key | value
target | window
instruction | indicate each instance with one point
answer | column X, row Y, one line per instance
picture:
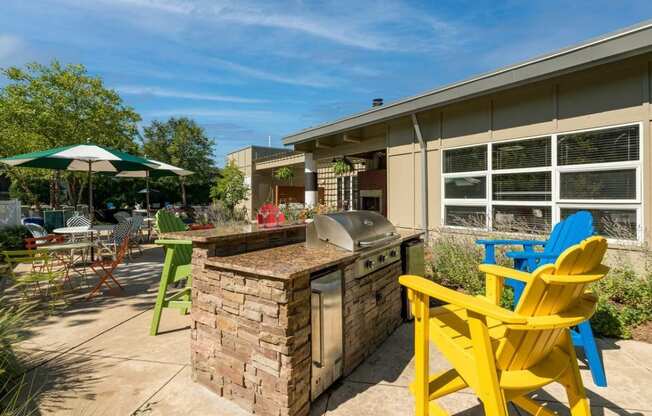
column 529, row 184
column 465, row 216
column 522, row 187
column 471, row 187
column 467, row 159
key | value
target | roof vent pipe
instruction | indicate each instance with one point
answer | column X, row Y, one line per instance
column 377, row 102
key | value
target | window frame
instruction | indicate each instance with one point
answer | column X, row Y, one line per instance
column 556, row 203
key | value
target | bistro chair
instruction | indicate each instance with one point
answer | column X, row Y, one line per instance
column 105, row 267
column 42, row 275
column 566, row 233
column 40, row 236
column 505, row 355
column 176, row 269
column 110, row 246
column 78, row 221
column 135, row 237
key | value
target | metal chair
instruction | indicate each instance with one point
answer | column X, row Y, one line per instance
column 78, row 221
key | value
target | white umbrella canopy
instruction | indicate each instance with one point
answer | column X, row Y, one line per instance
column 162, row 169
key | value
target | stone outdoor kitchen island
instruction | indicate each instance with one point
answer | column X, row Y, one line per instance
column 251, row 322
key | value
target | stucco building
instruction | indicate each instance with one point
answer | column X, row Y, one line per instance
column 532, row 142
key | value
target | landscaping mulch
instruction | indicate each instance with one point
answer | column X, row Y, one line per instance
column 643, row 332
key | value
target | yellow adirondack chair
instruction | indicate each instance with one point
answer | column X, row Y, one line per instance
column 504, row 355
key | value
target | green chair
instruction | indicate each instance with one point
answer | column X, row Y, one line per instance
column 175, row 268
column 42, row 272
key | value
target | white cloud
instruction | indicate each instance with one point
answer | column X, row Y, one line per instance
column 212, row 113
column 162, row 92
column 320, row 81
column 9, row 46
column 362, row 24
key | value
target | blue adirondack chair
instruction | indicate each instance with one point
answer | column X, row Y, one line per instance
column 572, row 230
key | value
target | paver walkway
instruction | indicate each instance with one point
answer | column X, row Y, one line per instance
column 96, row 358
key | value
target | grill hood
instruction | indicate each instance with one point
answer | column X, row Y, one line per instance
column 353, row 230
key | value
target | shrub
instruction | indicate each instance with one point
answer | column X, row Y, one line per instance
column 453, row 261
column 13, row 318
column 624, row 295
column 13, row 238
column 624, row 302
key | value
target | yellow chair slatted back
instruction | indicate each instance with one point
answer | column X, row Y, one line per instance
column 554, row 289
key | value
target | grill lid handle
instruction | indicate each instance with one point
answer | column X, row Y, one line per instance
column 369, row 243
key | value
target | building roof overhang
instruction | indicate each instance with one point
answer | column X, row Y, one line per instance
column 628, row 42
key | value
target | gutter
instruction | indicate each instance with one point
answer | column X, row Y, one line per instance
column 424, row 176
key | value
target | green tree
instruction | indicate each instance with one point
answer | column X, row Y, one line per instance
column 58, row 105
column 183, row 143
column 230, row 187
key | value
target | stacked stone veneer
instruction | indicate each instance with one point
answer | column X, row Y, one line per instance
column 251, row 334
column 372, row 311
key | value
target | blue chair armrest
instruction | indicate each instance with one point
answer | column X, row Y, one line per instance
column 512, row 242
column 490, row 245
column 531, row 255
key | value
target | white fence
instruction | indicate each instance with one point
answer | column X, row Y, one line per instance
column 9, row 213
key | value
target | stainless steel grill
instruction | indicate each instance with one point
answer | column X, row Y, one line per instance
column 354, row 230
column 364, row 232
column 378, row 244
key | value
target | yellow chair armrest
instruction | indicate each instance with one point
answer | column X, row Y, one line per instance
column 591, row 276
column 472, row 303
column 503, row 271
column 582, row 311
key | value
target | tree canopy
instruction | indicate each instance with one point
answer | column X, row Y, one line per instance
column 183, row 143
column 230, row 188
column 57, row 105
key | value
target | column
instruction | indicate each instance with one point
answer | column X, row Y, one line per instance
column 312, row 192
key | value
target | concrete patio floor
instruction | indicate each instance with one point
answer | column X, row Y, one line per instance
column 96, row 358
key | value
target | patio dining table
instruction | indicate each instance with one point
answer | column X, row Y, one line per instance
column 65, row 253
column 84, row 230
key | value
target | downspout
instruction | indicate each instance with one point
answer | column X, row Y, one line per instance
column 424, row 176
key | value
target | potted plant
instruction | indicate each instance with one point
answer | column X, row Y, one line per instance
column 284, row 174
column 341, row 166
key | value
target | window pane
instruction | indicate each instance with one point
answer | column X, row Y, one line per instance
column 521, row 219
column 522, row 187
column 610, row 184
column 610, row 145
column 464, row 216
column 615, row 223
column 466, row 188
column 468, row 159
column 521, row 154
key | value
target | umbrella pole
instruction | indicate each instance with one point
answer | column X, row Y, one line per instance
column 149, row 223
column 90, row 206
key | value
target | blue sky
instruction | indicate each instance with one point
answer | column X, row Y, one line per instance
column 246, row 70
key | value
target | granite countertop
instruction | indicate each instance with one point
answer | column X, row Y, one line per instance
column 286, row 262
column 226, row 232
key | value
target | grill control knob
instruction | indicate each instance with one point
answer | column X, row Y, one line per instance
column 369, row 264
column 381, row 258
column 393, row 253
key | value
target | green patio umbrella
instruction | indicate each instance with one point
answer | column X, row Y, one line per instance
column 83, row 158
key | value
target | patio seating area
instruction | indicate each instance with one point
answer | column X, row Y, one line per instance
column 97, row 357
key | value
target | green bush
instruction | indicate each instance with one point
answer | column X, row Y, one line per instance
column 453, row 260
column 624, row 302
column 624, row 296
column 13, row 238
column 13, row 319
